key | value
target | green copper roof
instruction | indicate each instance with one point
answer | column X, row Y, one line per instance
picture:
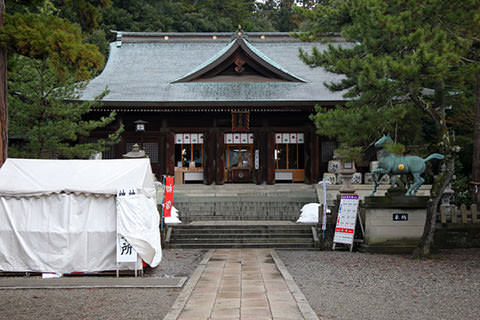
column 270, row 61
column 142, row 69
column 209, row 61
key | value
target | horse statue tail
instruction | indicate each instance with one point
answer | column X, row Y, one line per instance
column 434, row 156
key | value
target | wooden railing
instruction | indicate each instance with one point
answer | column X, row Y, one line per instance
column 460, row 215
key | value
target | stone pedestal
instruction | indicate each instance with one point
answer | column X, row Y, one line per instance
column 394, row 223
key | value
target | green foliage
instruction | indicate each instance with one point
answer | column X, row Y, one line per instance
column 86, row 13
column 401, row 58
column 347, row 153
column 42, row 124
column 53, row 40
column 396, row 148
column 47, row 58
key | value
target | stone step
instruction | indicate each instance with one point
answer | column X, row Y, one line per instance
column 235, row 233
column 246, row 234
column 213, row 238
column 275, row 245
column 236, row 237
column 232, row 226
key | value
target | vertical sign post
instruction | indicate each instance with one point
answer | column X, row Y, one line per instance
column 346, row 220
column 167, row 199
column 324, row 211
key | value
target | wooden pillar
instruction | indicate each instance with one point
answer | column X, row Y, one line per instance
column 270, row 163
column 220, row 159
column 162, row 153
column 308, row 156
column 170, row 152
column 315, row 157
column 209, row 143
column 259, row 144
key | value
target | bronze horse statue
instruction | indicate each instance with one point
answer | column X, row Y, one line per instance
column 392, row 164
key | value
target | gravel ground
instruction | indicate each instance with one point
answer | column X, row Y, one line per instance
column 153, row 303
column 344, row 285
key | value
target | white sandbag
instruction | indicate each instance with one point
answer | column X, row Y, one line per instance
column 309, row 213
column 173, row 218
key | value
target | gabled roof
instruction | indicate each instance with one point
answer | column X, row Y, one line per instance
column 160, row 70
column 236, row 50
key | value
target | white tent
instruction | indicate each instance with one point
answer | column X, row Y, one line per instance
column 61, row 215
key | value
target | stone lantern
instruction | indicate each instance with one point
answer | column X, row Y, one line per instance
column 346, row 171
column 136, row 153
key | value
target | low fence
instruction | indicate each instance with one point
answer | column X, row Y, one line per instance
column 461, row 215
column 458, row 227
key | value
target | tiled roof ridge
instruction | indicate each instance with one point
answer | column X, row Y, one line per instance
column 228, row 50
column 125, row 36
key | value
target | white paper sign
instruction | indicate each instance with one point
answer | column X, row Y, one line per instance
column 347, row 219
column 125, row 251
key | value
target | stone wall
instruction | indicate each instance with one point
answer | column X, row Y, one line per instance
column 457, row 236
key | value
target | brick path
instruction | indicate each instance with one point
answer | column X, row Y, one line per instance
column 242, row 284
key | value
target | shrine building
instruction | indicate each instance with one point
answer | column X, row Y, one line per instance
column 218, row 108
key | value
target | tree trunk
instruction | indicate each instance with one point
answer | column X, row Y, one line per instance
column 425, row 246
column 3, row 94
column 476, row 145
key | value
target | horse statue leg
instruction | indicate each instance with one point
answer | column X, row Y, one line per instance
column 417, row 183
column 380, row 172
column 393, row 180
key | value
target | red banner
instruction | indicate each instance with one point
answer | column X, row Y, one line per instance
column 344, row 230
column 168, row 198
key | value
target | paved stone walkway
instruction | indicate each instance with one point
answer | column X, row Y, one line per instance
column 241, row 284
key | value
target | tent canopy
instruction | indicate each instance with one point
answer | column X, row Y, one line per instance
column 62, row 216
column 32, row 177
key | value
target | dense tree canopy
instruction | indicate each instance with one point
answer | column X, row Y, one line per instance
column 53, row 44
column 406, row 60
column 47, row 63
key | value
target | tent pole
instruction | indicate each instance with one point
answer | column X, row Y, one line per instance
column 163, row 205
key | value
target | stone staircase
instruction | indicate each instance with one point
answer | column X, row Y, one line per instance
column 255, row 234
column 241, row 216
column 242, row 201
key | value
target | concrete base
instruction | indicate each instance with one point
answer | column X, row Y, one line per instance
column 394, row 224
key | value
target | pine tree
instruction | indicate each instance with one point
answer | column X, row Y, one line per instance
column 402, row 58
column 3, row 94
column 47, row 61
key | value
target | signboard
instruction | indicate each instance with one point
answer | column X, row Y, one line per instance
column 401, row 216
column 168, row 198
column 347, row 219
column 125, row 251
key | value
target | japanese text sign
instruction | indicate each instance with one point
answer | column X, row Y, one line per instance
column 125, row 251
column 346, row 219
column 168, row 199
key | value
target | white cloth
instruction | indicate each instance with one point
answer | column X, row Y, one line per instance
column 61, row 216
column 138, row 221
column 58, row 233
column 23, row 177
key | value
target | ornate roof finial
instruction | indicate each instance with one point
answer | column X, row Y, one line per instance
column 239, row 33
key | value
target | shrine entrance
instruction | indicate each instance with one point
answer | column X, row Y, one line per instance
column 239, row 163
